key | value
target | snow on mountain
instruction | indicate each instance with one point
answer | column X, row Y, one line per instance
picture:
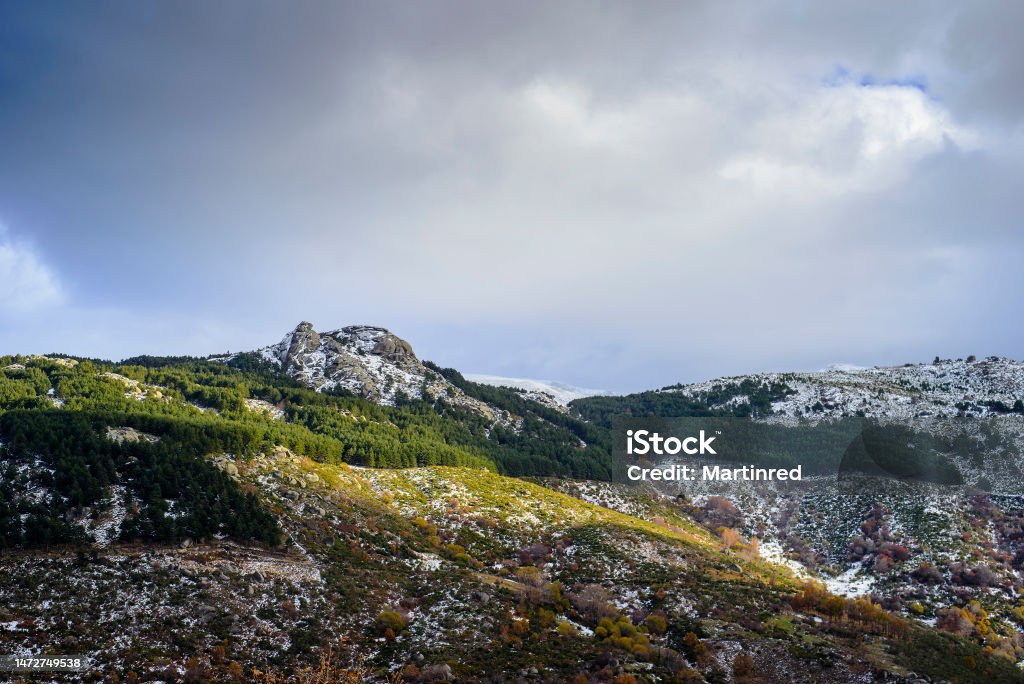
column 368, row 361
column 938, row 389
column 561, row 392
column 843, row 367
column 926, row 548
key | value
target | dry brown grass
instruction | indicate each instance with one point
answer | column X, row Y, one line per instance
column 328, row 671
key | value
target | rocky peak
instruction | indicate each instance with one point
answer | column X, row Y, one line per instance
column 303, row 340
column 367, row 360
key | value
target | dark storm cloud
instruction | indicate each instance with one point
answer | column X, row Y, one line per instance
column 622, row 194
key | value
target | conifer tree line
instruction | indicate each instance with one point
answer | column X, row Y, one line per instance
column 58, row 465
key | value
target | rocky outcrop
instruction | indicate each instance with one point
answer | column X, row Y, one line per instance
column 369, row 361
column 301, row 341
column 121, row 435
column 393, row 348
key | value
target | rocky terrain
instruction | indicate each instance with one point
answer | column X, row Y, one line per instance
column 451, row 574
column 371, row 362
column 334, row 509
column 946, row 556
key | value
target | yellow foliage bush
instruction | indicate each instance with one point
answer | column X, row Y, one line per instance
column 391, row 620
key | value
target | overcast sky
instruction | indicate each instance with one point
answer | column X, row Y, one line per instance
column 618, row 195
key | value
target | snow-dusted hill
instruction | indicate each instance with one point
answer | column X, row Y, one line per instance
column 926, row 552
column 940, row 388
column 560, row 392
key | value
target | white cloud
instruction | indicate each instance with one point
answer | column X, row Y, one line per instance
column 843, row 139
column 26, row 283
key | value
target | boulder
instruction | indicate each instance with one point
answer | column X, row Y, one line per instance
column 393, row 348
column 436, row 673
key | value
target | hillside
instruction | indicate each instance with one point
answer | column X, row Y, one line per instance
column 544, row 391
column 943, row 388
column 240, row 518
column 457, row 574
column 945, row 556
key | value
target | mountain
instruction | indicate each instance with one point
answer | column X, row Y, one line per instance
column 544, row 391
column 942, row 388
column 332, row 508
column 367, row 361
column 949, row 556
column 520, row 434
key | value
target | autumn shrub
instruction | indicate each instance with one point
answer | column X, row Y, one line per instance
column 328, row 671
column 457, row 553
column 520, row 626
column 593, row 602
column 623, row 634
column 391, row 620
column 694, row 647
column 862, row 612
column 718, row 511
column 744, row 669
column 730, row 537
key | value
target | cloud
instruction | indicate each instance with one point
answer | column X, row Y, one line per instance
column 846, row 138
column 615, row 195
column 26, row 283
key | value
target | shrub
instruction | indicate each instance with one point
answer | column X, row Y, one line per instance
column 593, row 602
column 730, row 537
column 927, row 574
column 694, row 647
column 744, row 669
column 656, row 624
column 391, row 620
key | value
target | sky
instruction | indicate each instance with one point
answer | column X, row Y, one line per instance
column 615, row 195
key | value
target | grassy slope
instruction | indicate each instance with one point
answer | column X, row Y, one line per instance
column 674, row 568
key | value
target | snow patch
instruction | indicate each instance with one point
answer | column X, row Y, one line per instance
column 561, row 392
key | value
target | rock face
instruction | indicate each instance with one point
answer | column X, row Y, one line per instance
column 369, row 361
column 393, row 348
column 303, row 340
